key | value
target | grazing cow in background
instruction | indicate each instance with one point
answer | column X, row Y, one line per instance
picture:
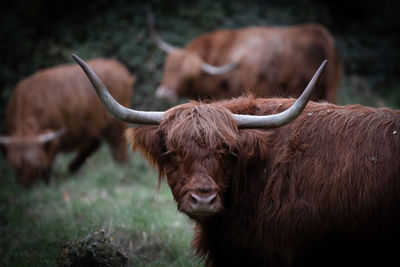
column 56, row 110
column 266, row 61
column 322, row 190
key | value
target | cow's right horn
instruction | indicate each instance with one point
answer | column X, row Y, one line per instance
column 285, row 117
column 156, row 38
column 118, row 111
column 214, row 70
column 47, row 137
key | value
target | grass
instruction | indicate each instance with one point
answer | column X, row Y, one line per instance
column 36, row 223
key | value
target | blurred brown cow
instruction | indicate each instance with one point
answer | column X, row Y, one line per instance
column 56, row 110
column 267, row 61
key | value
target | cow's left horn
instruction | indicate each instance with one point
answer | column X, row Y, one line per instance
column 213, row 70
column 285, row 117
column 47, row 137
column 43, row 138
column 118, row 111
column 156, row 38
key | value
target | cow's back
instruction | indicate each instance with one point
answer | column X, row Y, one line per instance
column 341, row 176
column 274, row 61
column 62, row 96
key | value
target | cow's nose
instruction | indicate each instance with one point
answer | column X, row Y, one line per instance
column 166, row 93
column 202, row 203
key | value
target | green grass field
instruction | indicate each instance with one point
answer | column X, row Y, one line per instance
column 36, row 223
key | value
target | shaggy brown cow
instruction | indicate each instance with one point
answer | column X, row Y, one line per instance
column 323, row 190
column 59, row 102
column 266, row 61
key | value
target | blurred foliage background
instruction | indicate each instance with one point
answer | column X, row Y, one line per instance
column 42, row 33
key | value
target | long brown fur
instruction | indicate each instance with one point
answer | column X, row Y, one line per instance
column 271, row 60
column 60, row 97
column 323, row 190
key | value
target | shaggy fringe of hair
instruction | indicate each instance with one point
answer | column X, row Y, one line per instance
column 206, row 124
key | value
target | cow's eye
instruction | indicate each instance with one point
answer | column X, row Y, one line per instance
column 169, row 154
column 234, row 153
column 223, row 150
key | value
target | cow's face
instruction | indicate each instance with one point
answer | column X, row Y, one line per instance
column 195, row 147
column 29, row 161
column 180, row 69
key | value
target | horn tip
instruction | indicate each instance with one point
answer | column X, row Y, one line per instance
column 78, row 60
column 75, row 57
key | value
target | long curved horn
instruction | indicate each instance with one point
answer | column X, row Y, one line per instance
column 156, row 38
column 43, row 138
column 213, row 70
column 47, row 137
column 285, row 117
column 118, row 111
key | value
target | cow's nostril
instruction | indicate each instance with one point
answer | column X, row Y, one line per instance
column 212, row 201
column 193, row 199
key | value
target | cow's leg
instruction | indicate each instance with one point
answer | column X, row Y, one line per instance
column 83, row 154
column 114, row 136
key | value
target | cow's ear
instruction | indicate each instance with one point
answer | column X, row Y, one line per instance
column 148, row 140
column 253, row 144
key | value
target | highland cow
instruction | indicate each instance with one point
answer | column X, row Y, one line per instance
column 56, row 110
column 266, row 61
column 269, row 185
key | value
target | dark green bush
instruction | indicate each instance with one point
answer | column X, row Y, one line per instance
column 95, row 249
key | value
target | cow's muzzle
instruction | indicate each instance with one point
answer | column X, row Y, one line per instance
column 167, row 94
column 199, row 204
